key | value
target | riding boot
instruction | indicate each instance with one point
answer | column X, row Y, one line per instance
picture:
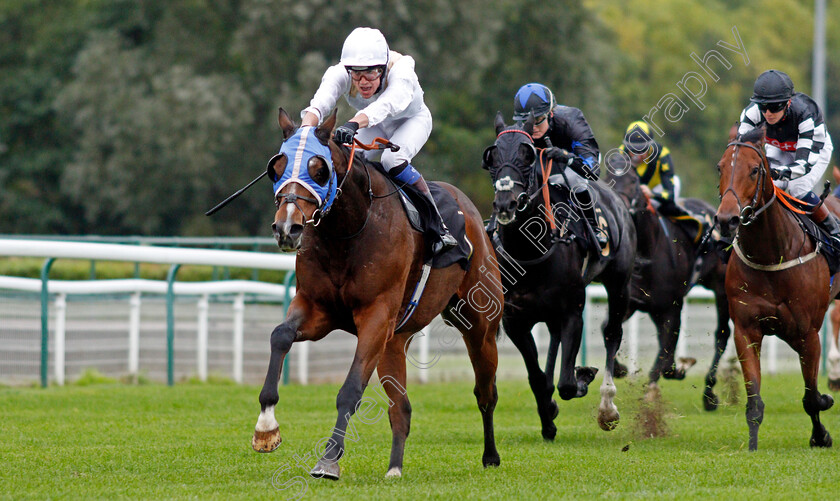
column 446, row 241
column 588, row 209
column 828, row 222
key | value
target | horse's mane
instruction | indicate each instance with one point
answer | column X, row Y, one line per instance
column 754, row 136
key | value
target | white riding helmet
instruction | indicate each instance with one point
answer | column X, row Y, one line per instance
column 365, row 47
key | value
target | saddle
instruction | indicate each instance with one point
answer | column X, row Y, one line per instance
column 818, row 234
column 422, row 218
column 573, row 224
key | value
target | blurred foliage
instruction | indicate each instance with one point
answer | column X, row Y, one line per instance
column 134, row 117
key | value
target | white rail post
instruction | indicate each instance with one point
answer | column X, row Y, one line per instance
column 201, row 337
column 134, row 335
column 633, row 348
column 238, row 331
column 772, row 354
column 303, row 362
column 425, row 334
column 60, row 335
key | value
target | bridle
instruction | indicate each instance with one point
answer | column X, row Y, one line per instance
column 504, row 184
column 748, row 214
column 326, row 205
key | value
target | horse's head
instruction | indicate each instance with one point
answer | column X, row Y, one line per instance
column 304, row 179
column 626, row 183
column 511, row 163
column 746, row 187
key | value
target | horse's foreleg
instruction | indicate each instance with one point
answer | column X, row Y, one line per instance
column 748, row 345
column 833, row 350
column 519, row 332
column 374, row 325
column 481, row 346
column 301, row 318
column 573, row 381
column 392, row 371
column 667, row 332
column 710, row 400
column 618, row 297
column 813, row 401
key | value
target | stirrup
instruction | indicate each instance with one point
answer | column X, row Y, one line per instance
column 446, row 243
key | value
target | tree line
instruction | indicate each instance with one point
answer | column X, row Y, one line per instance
column 134, row 117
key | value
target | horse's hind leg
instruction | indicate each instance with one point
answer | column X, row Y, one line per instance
column 668, row 329
column 833, row 350
column 391, row 371
column 813, row 401
column 481, row 346
column 710, row 400
column 748, row 346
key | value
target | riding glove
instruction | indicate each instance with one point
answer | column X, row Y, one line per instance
column 780, row 173
column 345, row 133
column 558, row 155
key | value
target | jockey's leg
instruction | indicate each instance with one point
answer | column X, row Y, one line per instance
column 825, row 219
column 407, row 174
column 583, row 199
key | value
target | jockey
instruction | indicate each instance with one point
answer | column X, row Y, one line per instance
column 382, row 86
column 569, row 142
column 652, row 162
column 798, row 145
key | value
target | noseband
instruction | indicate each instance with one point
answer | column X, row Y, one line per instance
column 505, row 183
column 749, row 213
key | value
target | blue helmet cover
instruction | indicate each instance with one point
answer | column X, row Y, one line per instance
column 299, row 149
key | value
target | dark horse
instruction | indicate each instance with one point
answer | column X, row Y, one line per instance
column 548, row 273
column 774, row 284
column 356, row 269
column 667, row 267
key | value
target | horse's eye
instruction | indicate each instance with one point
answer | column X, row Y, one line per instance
column 754, row 171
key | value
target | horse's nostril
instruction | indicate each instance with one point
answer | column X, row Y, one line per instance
column 295, row 230
column 512, row 206
column 274, row 227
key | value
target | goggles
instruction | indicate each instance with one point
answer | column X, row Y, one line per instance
column 772, row 107
column 368, row 73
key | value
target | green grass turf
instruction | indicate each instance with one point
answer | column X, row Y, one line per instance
column 193, row 441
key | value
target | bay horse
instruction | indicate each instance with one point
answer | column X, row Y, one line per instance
column 669, row 263
column 357, row 265
column 548, row 274
column 774, row 283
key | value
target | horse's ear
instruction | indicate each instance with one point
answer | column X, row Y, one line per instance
column 499, row 123
column 733, row 132
column 529, row 123
column 324, row 130
column 287, row 125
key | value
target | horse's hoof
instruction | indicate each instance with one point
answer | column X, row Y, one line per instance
column 266, row 441
column 326, row 469
column 824, row 441
column 491, row 460
column 685, row 363
column 710, row 401
column 834, row 384
column 549, row 432
column 585, row 375
column 395, row 472
column 620, row 370
column 608, row 419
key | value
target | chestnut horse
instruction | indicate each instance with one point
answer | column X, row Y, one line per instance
column 358, row 261
column 666, row 258
column 776, row 282
column 549, row 273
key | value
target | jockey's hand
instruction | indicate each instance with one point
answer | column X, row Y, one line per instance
column 780, row 173
column 646, row 190
column 345, row 133
column 559, row 155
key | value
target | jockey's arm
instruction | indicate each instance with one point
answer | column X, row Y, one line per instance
column 666, row 177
